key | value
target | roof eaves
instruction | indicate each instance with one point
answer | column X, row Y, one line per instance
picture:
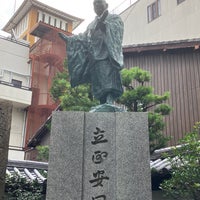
column 41, row 131
column 27, row 164
column 26, row 6
column 39, row 134
column 57, row 12
column 165, row 45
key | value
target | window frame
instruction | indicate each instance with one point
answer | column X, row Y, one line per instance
column 49, row 20
column 61, row 24
column 66, row 26
column 16, row 83
column 55, row 22
column 153, row 11
column 43, row 17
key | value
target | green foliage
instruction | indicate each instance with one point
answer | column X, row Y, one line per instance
column 185, row 181
column 59, row 85
column 139, row 97
column 43, row 153
column 76, row 99
column 48, row 125
column 156, row 125
column 19, row 188
column 163, row 109
column 135, row 73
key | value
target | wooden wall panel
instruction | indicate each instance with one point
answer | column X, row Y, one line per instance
column 177, row 71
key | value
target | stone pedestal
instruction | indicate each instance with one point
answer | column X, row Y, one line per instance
column 5, row 124
column 103, row 156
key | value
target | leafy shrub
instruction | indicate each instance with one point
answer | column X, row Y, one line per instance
column 19, row 188
column 43, row 153
column 139, row 97
column 185, row 181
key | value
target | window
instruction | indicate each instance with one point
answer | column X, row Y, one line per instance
column 38, row 16
column 55, row 22
column 43, row 17
column 180, row 1
column 49, row 20
column 22, row 26
column 153, row 10
column 16, row 83
column 66, row 26
column 60, row 24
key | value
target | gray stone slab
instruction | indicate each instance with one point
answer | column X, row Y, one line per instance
column 5, row 125
column 65, row 171
column 100, row 125
column 133, row 158
column 99, row 156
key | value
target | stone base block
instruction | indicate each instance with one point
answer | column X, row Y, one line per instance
column 99, row 156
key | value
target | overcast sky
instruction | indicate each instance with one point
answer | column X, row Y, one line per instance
column 79, row 8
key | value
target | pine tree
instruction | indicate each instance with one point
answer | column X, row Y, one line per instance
column 139, row 97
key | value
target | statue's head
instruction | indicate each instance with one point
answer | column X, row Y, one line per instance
column 100, row 6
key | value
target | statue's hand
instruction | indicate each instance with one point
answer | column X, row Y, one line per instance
column 63, row 36
column 103, row 16
column 103, row 27
column 100, row 23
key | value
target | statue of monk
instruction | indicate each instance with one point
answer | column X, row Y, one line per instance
column 95, row 56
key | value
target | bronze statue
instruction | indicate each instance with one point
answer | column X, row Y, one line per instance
column 96, row 55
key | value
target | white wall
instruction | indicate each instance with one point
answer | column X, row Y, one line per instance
column 15, row 154
column 52, row 21
column 22, row 26
column 177, row 22
column 17, row 127
column 13, row 62
column 17, row 133
column 14, row 65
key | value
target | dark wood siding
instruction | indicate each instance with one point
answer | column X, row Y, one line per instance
column 176, row 71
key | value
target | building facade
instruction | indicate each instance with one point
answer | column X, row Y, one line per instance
column 39, row 24
column 175, row 67
column 31, row 12
column 15, row 79
column 162, row 36
column 149, row 21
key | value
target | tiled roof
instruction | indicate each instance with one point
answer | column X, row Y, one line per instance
column 160, row 167
column 31, row 170
column 160, row 164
